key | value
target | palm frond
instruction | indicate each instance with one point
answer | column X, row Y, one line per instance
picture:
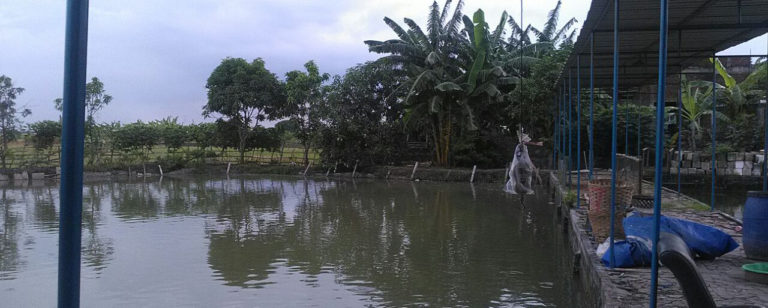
column 417, row 32
column 401, row 33
column 499, row 31
column 433, row 23
column 548, row 32
column 444, row 14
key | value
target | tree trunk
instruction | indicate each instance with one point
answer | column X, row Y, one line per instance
column 306, row 154
column 241, row 144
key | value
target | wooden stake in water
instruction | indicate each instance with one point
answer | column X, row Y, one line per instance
column 413, row 173
column 354, row 170
column 161, row 169
column 388, row 171
column 145, row 170
column 228, row 166
column 327, row 172
column 307, row 169
column 335, row 166
column 472, row 178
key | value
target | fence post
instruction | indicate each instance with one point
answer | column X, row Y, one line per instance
column 413, row 173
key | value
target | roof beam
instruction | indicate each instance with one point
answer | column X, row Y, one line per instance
column 750, row 26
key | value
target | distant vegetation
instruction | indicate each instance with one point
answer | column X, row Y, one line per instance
column 451, row 92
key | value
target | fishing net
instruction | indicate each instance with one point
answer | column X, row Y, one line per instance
column 522, row 170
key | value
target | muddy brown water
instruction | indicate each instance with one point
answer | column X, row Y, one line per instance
column 286, row 241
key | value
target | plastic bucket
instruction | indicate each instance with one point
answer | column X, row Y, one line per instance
column 756, row 272
column 756, row 225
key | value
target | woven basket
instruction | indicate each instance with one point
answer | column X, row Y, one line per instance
column 600, row 208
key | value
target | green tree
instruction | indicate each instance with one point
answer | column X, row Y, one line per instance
column 697, row 105
column 245, row 93
column 736, row 97
column 304, row 92
column 45, row 133
column 172, row 133
column 137, row 138
column 9, row 116
column 96, row 98
column 204, row 134
column 286, row 130
column 362, row 117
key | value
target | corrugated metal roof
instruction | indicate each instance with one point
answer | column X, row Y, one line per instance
column 697, row 29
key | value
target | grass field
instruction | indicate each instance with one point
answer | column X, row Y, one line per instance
column 22, row 156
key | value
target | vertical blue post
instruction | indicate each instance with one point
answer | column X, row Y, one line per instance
column 591, row 103
column 679, row 133
column 615, row 95
column 570, row 129
column 664, row 9
column 578, row 131
column 72, row 138
column 714, row 130
column 765, row 124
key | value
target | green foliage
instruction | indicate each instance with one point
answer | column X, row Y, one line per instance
column 602, row 129
column 243, row 93
column 204, row 134
column 467, row 89
column 304, row 92
column 9, row 116
column 172, row 134
column 45, row 133
column 138, row 136
column 362, row 119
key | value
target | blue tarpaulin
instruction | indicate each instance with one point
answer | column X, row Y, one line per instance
column 704, row 241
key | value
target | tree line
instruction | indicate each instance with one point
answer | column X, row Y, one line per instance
column 459, row 87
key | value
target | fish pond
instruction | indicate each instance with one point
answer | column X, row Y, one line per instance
column 287, row 241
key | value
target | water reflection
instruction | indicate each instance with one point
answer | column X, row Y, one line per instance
column 9, row 238
column 360, row 243
column 443, row 249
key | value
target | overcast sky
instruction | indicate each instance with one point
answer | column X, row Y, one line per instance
column 154, row 56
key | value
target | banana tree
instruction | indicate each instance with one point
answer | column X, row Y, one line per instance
column 697, row 106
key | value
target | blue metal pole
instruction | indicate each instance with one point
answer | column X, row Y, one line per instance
column 664, row 9
column 613, row 125
column 591, row 103
column 570, row 130
column 72, row 138
column 714, row 130
column 765, row 124
column 578, row 131
column 679, row 133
